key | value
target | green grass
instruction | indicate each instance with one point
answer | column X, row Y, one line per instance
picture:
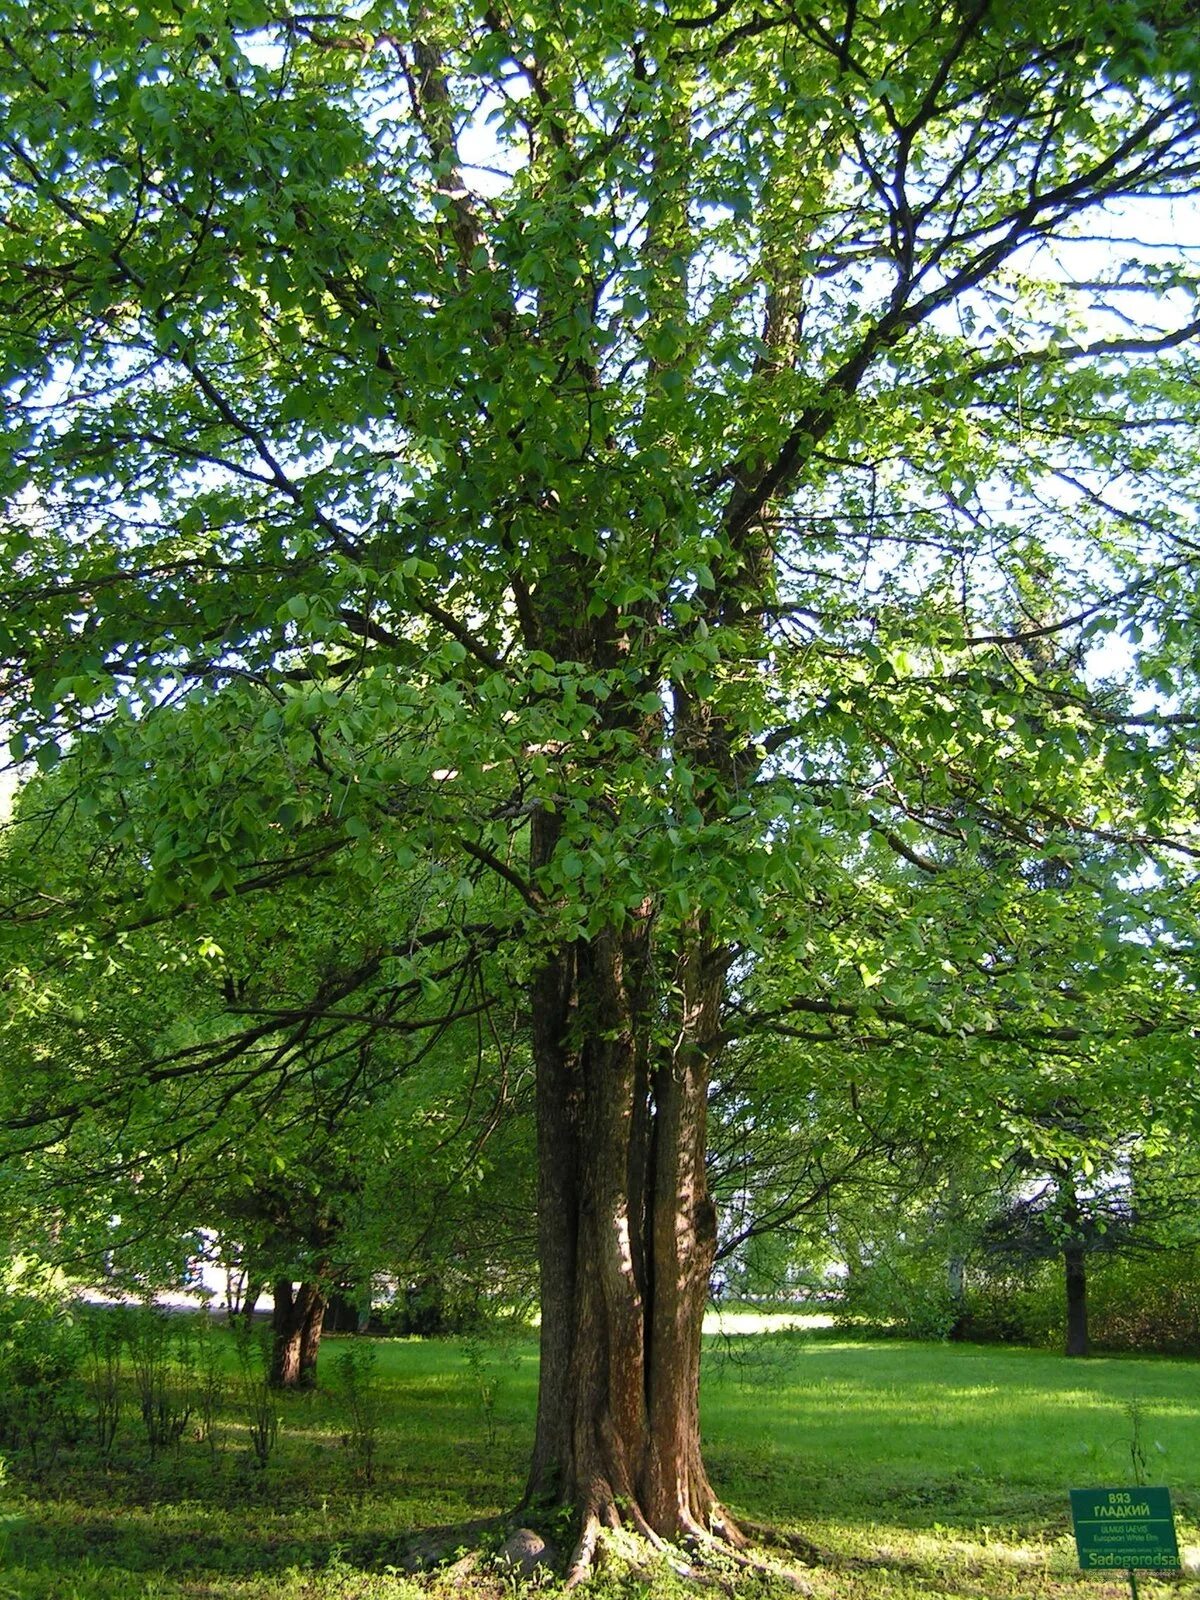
column 919, row 1470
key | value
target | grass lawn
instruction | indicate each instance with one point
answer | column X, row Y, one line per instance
column 927, row 1470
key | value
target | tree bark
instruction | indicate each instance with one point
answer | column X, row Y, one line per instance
column 1074, row 1269
column 310, row 1335
column 296, row 1325
column 627, row 1234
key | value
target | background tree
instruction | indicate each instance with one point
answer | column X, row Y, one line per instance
column 800, row 1141
column 178, row 1097
column 1076, row 1200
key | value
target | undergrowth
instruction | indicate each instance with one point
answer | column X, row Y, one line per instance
column 917, row 1471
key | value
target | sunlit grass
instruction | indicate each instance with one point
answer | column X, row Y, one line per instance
column 917, row 1470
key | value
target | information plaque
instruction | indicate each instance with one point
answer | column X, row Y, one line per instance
column 1129, row 1528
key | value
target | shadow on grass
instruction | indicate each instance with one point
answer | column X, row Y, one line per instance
column 200, row 1551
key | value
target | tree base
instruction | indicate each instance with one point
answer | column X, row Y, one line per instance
column 709, row 1560
column 608, row 1534
column 713, row 1556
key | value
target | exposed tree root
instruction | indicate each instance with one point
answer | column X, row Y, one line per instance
column 711, row 1558
column 718, row 1553
column 583, row 1558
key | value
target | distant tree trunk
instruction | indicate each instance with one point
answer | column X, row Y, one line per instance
column 1075, row 1274
column 1074, row 1270
column 285, row 1337
column 956, row 1288
column 296, row 1326
column 310, row 1335
column 342, row 1314
column 241, row 1293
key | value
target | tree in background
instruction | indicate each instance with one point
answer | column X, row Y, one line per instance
column 197, row 1102
column 1082, row 1200
column 629, row 506
column 943, row 1232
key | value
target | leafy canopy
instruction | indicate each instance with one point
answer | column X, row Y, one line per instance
column 718, row 429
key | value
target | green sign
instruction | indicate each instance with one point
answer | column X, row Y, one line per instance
column 1130, row 1528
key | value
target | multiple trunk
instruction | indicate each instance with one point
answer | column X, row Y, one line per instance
column 625, row 1028
column 296, row 1325
column 627, row 1232
column 625, row 1022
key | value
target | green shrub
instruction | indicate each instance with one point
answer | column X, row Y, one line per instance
column 161, row 1358
column 104, row 1375
column 905, row 1294
column 1015, row 1305
column 1147, row 1303
column 260, row 1404
column 40, row 1354
column 358, row 1386
column 432, row 1307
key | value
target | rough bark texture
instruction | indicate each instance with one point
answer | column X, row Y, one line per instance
column 625, row 1028
column 310, row 1335
column 627, row 1234
column 296, row 1325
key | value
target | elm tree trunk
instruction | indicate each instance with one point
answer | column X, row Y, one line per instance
column 296, row 1325
column 627, row 1231
column 1075, row 1279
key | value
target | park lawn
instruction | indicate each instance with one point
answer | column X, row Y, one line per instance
column 917, row 1470
column 944, row 1469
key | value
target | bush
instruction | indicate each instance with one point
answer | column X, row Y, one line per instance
column 1015, row 1305
column 104, row 1376
column 40, row 1354
column 160, row 1354
column 39, row 1346
column 358, row 1384
column 1148, row 1302
column 259, row 1401
column 905, row 1294
column 431, row 1307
